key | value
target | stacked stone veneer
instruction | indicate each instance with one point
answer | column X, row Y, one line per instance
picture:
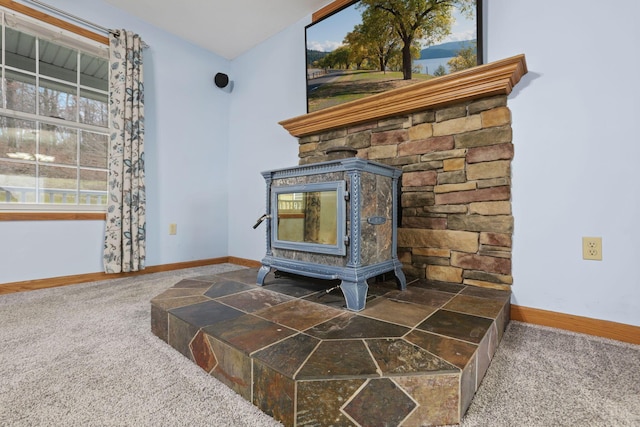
column 456, row 221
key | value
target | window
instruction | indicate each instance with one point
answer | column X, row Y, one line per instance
column 54, row 117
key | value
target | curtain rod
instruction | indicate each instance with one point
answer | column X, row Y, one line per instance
column 76, row 18
column 105, row 30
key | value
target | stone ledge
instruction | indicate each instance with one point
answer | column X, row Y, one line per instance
column 495, row 78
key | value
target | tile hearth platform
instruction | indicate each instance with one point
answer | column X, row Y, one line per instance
column 410, row 358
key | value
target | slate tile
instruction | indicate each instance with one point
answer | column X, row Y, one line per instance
column 299, row 314
column 202, row 353
column 350, row 325
column 179, row 293
column 227, row 287
column 489, row 308
column 486, row 350
column 205, row 313
column 379, row 288
column 457, row 325
column 296, row 288
column 193, row 283
column 159, row 322
column 288, row 355
column 339, row 359
column 428, row 297
column 160, row 308
column 233, row 368
column 437, row 397
column 254, row 300
column 452, row 288
column 319, row 402
column 397, row 356
column 480, row 292
column 454, row 351
column 380, row 403
column 334, row 299
column 274, row 393
column 468, row 384
column 244, row 275
column 503, row 319
column 180, row 334
column 248, row 333
column 169, row 303
column 395, row 311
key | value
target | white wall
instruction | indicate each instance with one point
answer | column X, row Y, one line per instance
column 575, row 135
column 574, row 173
column 269, row 87
column 187, row 122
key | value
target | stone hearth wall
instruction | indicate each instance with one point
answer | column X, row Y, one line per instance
column 456, row 221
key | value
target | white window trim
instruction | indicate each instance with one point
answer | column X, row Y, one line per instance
column 69, row 39
column 53, row 33
column 50, row 207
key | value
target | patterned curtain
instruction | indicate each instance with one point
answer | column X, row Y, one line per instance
column 124, row 241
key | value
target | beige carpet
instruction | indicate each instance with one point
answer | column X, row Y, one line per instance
column 83, row 355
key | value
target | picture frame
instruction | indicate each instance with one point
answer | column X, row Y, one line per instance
column 353, row 49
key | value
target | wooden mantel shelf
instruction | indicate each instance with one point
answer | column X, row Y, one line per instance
column 495, row 78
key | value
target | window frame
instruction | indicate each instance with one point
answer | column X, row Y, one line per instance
column 47, row 23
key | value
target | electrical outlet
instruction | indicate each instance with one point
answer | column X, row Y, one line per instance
column 173, row 229
column 592, row 248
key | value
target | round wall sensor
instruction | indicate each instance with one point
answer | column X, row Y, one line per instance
column 221, row 80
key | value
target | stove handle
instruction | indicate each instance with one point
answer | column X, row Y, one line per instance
column 262, row 218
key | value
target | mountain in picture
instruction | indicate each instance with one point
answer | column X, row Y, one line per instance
column 445, row 50
column 315, row 55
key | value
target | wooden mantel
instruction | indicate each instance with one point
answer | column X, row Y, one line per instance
column 495, row 78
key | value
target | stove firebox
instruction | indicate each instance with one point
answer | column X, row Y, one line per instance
column 334, row 220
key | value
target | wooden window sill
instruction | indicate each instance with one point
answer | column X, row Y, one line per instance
column 52, row 216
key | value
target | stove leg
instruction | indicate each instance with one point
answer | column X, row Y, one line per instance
column 262, row 273
column 355, row 294
column 400, row 279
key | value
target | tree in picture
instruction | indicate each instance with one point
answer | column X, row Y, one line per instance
column 376, row 37
column 413, row 20
column 466, row 58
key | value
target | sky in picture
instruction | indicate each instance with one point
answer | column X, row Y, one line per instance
column 328, row 34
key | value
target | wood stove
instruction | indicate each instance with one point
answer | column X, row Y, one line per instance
column 334, row 220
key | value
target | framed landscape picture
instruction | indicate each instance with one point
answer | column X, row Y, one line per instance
column 367, row 47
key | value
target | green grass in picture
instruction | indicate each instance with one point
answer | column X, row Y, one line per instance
column 354, row 85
